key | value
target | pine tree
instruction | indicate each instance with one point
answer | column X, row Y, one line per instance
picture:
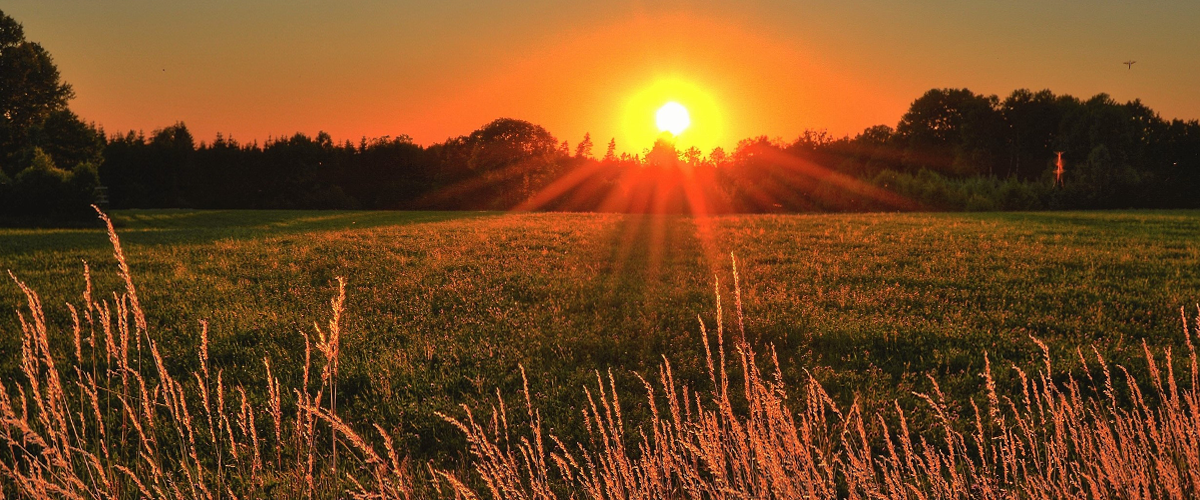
column 584, row 148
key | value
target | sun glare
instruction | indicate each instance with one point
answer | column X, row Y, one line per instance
column 678, row 105
column 672, row 117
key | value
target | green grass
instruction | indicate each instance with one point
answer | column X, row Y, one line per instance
column 444, row 307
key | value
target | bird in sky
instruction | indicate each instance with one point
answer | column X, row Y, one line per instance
column 1129, row 64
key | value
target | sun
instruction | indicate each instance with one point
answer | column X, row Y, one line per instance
column 670, row 105
column 673, row 117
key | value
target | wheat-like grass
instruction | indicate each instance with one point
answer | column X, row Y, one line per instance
column 130, row 430
column 94, row 425
column 1050, row 442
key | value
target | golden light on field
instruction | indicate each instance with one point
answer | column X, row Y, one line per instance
column 676, row 105
column 673, row 118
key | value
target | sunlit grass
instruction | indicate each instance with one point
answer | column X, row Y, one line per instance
column 443, row 308
column 96, row 410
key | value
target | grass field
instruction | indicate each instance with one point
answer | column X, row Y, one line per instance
column 443, row 308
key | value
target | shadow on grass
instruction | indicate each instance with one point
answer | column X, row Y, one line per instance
column 1172, row 223
column 181, row 227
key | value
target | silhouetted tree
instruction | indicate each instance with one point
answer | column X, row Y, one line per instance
column 662, row 154
column 1033, row 120
column 953, row 131
column 509, row 160
column 610, row 154
column 878, row 135
column 30, row 89
column 692, row 157
column 718, row 157
column 29, row 82
column 952, row 150
column 43, row 190
column 505, row 142
column 67, row 139
column 584, row 148
column 48, row 157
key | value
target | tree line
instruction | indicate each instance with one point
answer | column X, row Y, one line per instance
column 952, row 150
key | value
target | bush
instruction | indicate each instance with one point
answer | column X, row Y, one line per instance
column 939, row 192
column 42, row 190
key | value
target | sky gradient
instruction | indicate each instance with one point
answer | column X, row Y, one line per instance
column 259, row 69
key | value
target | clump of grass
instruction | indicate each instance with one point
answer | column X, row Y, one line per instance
column 108, row 419
column 1048, row 441
column 114, row 422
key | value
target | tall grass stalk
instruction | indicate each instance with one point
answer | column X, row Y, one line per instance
column 104, row 426
column 1047, row 441
column 84, row 420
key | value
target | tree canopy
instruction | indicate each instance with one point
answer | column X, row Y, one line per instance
column 38, row 133
column 952, row 150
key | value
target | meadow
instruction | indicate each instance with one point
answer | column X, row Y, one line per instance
column 445, row 309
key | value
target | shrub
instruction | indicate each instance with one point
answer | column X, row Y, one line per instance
column 44, row 190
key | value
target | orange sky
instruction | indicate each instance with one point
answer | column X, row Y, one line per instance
column 257, row 69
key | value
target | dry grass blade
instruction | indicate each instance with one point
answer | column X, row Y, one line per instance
column 123, row 430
